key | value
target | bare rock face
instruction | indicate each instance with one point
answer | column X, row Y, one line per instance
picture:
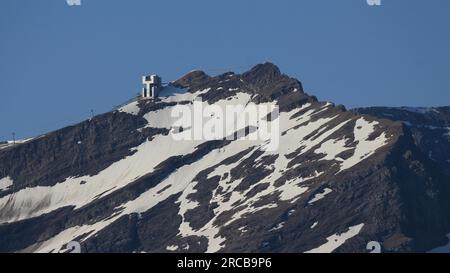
column 429, row 127
column 339, row 179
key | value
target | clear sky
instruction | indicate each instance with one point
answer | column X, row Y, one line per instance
column 57, row 62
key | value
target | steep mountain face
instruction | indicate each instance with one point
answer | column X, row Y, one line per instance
column 124, row 182
column 430, row 128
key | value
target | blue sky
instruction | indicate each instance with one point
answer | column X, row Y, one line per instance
column 58, row 62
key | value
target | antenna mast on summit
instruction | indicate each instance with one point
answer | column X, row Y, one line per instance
column 14, row 138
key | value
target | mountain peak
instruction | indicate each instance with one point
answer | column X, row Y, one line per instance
column 265, row 79
column 265, row 70
column 192, row 78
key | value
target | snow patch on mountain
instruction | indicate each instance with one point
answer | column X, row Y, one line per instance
column 5, row 183
column 10, row 143
column 364, row 147
column 172, row 248
column 332, row 148
column 167, row 116
column 336, row 240
column 131, row 108
column 320, row 195
column 175, row 94
column 277, row 227
column 35, row 201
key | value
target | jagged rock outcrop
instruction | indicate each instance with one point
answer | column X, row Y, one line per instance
column 429, row 126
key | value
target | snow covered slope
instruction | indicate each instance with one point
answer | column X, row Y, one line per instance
column 122, row 182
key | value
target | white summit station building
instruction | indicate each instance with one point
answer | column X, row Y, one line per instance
column 152, row 86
